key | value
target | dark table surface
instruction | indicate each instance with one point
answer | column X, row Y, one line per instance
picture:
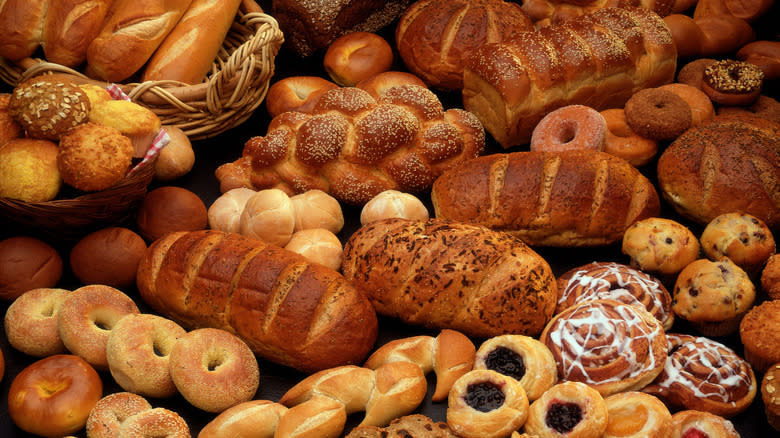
column 275, row 379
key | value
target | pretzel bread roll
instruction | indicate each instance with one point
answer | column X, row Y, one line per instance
column 188, row 52
column 69, row 28
column 131, row 32
column 22, row 24
column 356, row 56
column 296, row 93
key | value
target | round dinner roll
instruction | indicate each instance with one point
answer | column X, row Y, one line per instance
column 27, row 263
column 108, row 256
column 269, row 216
column 48, row 107
column 214, row 369
column 108, row 414
column 86, row 318
column 177, row 158
column 94, row 157
column 378, row 84
column 392, row 204
column 28, row 170
column 31, row 322
column 318, row 245
column 169, row 208
column 138, row 351
column 224, row 214
column 296, row 93
column 356, row 56
column 317, row 209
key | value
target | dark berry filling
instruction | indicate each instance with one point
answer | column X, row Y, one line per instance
column 506, row 362
column 484, row 396
column 694, row 433
column 563, row 417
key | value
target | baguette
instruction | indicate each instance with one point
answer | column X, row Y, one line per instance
column 446, row 274
column 131, row 32
column 69, row 28
column 572, row 198
column 188, row 52
column 21, row 22
column 287, row 310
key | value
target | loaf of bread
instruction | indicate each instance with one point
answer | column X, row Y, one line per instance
column 354, row 147
column 598, row 60
column 21, row 22
column 131, row 32
column 311, row 25
column 447, row 274
column 566, row 199
column 69, row 28
column 188, row 52
column 546, row 12
column 287, row 310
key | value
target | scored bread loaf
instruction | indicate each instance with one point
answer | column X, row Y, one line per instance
column 567, row 199
column 287, row 310
column 447, row 274
column 598, row 60
column 69, row 28
column 546, row 12
column 21, row 22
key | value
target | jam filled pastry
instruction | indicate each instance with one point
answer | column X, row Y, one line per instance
column 486, row 404
column 635, row 414
column 616, row 281
column 695, row 424
column 607, row 344
column 521, row 357
column 704, row 375
column 568, row 410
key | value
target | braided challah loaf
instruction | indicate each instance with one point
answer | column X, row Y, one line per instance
column 353, row 146
column 598, row 60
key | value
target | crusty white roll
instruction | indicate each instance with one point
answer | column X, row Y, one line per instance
column 31, row 322
column 296, row 93
column 318, row 245
column 224, row 214
column 317, row 209
column 22, row 24
column 255, row 418
column 393, row 204
column 177, row 158
column 269, row 216
column 356, row 56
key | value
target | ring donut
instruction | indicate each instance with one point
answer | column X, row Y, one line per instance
column 621, row 141
column 138, row 351
column 570, row 127
column 692, row 73
column 733, row 83
column 31, row 322
column 155, row 422
column 86, row 318
column 108, row 414
column 702, row 109
column 214, row 369
column 658, row 114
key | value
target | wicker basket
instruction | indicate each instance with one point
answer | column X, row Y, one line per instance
column 235, row 87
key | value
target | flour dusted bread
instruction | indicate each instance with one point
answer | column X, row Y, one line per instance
column 447, row 274
column 568, row 198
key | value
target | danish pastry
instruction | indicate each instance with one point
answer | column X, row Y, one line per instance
column 521, row 357
column 568, row 410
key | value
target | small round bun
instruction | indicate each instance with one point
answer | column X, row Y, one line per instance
column 318, row 245
column 393, row 204
column 356, row 56
column 86, row 318
column 296, row 93
column 48, row 108
column 214, row 369
column 27, row 263
column 317, row 209
column 9, row 129
column 94, row 157
column 31, row 322
column 108, row 414
column 169, row 208
column 225, row 213
column 269, row 216
column 108, row 256
column 177, row 158
column 660, row 245
column 28, row 170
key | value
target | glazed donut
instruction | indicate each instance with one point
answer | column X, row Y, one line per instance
column 701, row 105
column 733, row 83
column 137, row 352
column 658, row 114
column 621, row 141
column 764, row 107
column 214, row 369
column 521, row 357
column 296, row 93
column 568, row 410
column 377, row 85
column 31, row 322
column 155, row 422
column 486, row 404
column 764, row 55
column 692, row 73
column 570, row 127
column 634, row 414
column 86, row 318
column 356, row 56
column 108, row 414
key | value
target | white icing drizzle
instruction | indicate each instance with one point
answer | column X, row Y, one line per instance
column 598, row 334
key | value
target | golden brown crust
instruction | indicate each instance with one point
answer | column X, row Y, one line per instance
column 760, row 336
column 296, row 93
column 701, row 106
column 154, row 422
column 415, row 425
column 744, row 239
column 621, row 141
column 357, row 56
column 696, row 422
column 770, row 394
column 31, row 322
column 94, row 157
column 251, row 418
column 69, row 27
column 48, row 108
column 581, row 410
column 108, row 256
column 28, row 170
column 770, row 277
column 637, row 415
column 22, row 22
column 108, row 414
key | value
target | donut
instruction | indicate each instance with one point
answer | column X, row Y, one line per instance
column 568, row 410
column 214, row 369
column 570, row 127
column 155, row 422
column 296, row 93
column 701, row 105
column 356, row 56
column 621, row 141
column 137, row 352
column 658, row 114
column 86, row 318
column 108, row 414
column 31, row 322
column 731, row 82
column 692, row 73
